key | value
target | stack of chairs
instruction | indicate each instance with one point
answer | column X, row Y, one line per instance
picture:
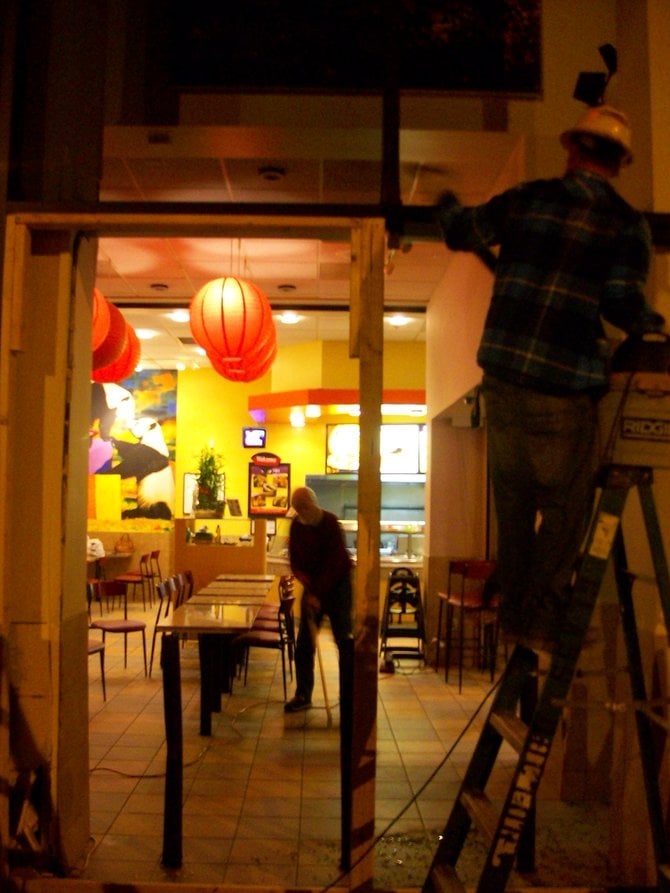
column 274, row 628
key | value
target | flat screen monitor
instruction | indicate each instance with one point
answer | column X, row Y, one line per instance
column 254, row 438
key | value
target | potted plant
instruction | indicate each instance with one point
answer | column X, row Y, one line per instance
column 209, row 492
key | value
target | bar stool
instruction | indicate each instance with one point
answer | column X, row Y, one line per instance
column 469, row 595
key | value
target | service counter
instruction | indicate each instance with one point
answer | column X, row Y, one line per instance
column 207, row 559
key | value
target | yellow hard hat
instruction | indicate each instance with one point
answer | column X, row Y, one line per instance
column 604, row 122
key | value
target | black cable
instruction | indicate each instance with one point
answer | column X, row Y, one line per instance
column 413, row 799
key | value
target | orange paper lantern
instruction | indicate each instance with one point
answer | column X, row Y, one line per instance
column 231, row 318
column 101, row 319
column 124, row 365
column 114, row 342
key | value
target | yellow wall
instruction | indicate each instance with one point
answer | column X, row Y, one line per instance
column 327, row 364
column 298, row 366
column 212, row 409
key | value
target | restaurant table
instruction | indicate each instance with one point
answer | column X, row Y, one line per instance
column 216, row 623
column 244, row 590
column 245, row 578
column 216, row 614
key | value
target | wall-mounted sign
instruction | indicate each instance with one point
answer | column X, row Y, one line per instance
column 269, row 486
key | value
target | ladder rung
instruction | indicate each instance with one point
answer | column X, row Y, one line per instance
column 481, row 811
column 445, row 880
column 512, row 729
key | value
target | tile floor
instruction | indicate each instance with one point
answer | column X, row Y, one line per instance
column 261, row 795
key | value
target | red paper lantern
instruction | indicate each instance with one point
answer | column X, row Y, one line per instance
column 124, row 365
column 231, row 318
column 101, row 319
column 115, row 340
column 249, row 368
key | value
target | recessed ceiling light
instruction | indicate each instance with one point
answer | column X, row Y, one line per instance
column 180, row 315
column 146, row 334
column 289, row 317
column 286, row 286
column 398, row 320
column 159, row 286
column 272, row 172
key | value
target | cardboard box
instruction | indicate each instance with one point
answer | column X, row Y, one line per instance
column 635, row 420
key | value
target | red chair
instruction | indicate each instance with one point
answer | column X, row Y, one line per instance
column 267, row 614
column 142, row 578
column 112, row 589
column 471, row 600
column 281, row 638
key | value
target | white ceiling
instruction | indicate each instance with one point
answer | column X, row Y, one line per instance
column 147, row 277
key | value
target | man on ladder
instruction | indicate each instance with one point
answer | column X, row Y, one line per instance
column 571, row 251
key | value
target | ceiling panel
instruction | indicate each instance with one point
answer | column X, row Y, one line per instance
column 283, row 165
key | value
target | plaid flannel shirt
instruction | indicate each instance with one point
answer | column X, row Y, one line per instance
column 571, row 251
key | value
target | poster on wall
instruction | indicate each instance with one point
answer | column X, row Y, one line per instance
column 132, row 432
column 269, row 486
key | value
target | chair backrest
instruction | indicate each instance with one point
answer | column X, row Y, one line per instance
column 472, row 576
column 175, row 588
column 91, row 591
column 155, row 564
column 111, row 589
column 188, row 588
column 403, row 590
column 145, row 565
column 100, row 567
column 286, row 621
column 167, row 598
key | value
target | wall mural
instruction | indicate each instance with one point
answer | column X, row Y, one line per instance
column 132, row 449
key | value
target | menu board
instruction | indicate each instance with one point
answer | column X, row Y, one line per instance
column 269, row 486
column 402, row 448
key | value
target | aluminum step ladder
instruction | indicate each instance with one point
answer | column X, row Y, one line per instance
column 504, row 829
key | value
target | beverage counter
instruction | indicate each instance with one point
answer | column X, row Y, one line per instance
column 207, row 559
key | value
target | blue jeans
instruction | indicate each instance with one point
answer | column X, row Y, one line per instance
column 541, row 452
column 337, row 604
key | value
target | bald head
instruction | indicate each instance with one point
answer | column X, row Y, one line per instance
column 305, row 505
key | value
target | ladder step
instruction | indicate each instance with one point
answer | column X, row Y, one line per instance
column 482, row 812
column 512, row 729
column 443, row 879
